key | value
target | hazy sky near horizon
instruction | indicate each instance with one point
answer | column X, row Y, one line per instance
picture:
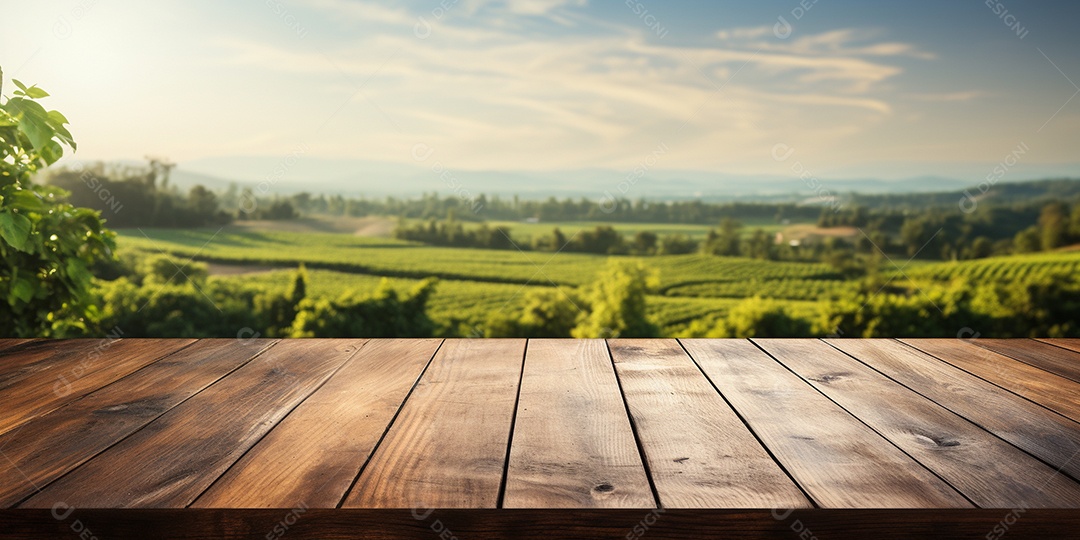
column 883, row 89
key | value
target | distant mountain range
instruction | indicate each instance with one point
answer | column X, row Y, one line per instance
column 355, row 178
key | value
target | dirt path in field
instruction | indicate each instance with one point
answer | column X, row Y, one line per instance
column 374, row 226
column 799, row 232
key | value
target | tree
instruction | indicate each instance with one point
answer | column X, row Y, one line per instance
column 545, row 313
column 46, row 245
column 1074, row 223
column 755, row 317
column 726, row 242
column 1027, row 240
column 382, row 313
column 644, row 243
column 298, row 291
column 677, row 244
column 1053, row 226
column 761, row 245
column 617, row 303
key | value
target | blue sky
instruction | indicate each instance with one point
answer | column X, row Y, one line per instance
column 880, row 89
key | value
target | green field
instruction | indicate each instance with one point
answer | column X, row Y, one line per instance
column 475, row 283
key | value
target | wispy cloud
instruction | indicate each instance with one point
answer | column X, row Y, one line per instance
column 547, row 101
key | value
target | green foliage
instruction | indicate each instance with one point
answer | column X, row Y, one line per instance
column 454, row 233
column 46, row 245
column 758, row 317
column 617, row 302
column 1048, row 306
column 298, row 290
column 677, row 244
column 545, row 313
column 927, row 311
column 130, row 196
column 161, row 269
column 476, row 283
column 725, row 242
column 384, row 313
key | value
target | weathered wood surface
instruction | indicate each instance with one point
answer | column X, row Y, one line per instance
column 573, row 445
column 699, row 452
column 566, row 431
column 447, row 448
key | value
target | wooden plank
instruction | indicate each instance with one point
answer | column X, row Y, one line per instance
column 24, row 360
column 839, row 461
column 700, row 454
column 573, row 445
column 1051, row 437
column 75, row 373
column 175, row 458
column 447, row 447
column 551, row 524
column 1047, row 389
column 1073, row 344
column 991, row 472
column 1041, row 355
column 312, row 457
column 51, row 445
column 8, row 343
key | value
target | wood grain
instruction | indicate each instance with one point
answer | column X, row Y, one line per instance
column 573, row 445
column 700, row 454
column 1032, row 428
column 51, row 445
column 312, row 457
column 8, row 343
column 1041, row 355
column 991, row 472
column 176, row 457
column 447, row 448
column 16, row 360
column 839, row 461
column 1047, row 389
column 551, row 524
column 63, row 373
column 1073, row 344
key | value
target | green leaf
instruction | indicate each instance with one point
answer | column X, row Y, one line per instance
column 19, row 84
column 15, row 229
column 34, row 123
column 52, row 152
column 76, row 271
column 57, row 119
column 36, row 93
column 22, row 289
column 27, row 201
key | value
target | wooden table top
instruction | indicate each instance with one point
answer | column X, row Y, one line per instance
column 649, row 426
